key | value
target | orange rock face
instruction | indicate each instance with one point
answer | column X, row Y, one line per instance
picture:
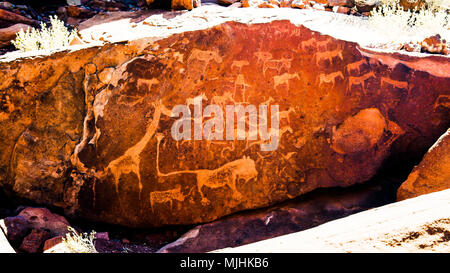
column 94, row 135
column 432, row 174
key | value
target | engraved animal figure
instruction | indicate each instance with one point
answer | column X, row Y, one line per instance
column 284, row 79
column 330, row 78
column 359, row 80
column 226, row 175
column 159, row 197
column 322, row 45
column 394, row 83
column 355, row 66
column 239, row 64
column 205, row 56
column 308, row 43
column 277, row 65
column 328, row 55
column 129, row 162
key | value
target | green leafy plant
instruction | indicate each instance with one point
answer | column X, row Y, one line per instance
column 80, row 242
column 54, row 36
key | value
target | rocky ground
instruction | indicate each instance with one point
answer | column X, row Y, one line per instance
column 17, row 15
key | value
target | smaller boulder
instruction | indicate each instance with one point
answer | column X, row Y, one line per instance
column 34, row 241
column 42, row 218
column 15, row 229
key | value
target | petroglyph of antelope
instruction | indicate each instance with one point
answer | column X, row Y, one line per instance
column 330, row 78
column 284, row 79
column 355, row 66
column 205, row 56
column 328, row 55
column 394, row 83
column 226, row 175
column 308, row 43
column 360, row 80
column 160, row 197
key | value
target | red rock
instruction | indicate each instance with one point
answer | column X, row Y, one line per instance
column 343, row 10
column 302, row 4
column 109, row 155
column 42, row 218
column 342, row 3
column 433, row 172
column 366, row 5
column 52, row 244
column 34, row 241
column 9, row 33
column 185, row 4
column 79, row 12
column 227, row 2
column 102, row 236
column 15, row 229
column 435, row 44
column 16, row 18
column 286, row 3
column 412, row 4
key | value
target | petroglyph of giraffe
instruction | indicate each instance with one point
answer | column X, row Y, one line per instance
column 160, row 197
column 330, row 78
column 129, row 162
column 284, row 79
column 328, row 55
column 226, row 175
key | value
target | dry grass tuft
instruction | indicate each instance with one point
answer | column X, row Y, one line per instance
column 80, row 242
column 411, row 25
column 54, row 36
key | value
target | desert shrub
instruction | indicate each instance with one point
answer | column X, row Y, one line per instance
column 54, row 36
column 393, row 20
column 80, row 242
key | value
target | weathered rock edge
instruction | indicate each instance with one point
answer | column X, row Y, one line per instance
column 433, row 172
column 83, row 130
column 419, row 224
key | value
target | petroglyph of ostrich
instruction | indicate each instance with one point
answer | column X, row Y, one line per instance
column 226, row 175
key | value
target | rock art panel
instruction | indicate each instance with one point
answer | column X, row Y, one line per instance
column 343, row 110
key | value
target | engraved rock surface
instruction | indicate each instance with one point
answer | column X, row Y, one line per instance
column 433, row 172
column 90, row 130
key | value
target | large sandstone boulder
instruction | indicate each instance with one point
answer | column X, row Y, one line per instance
column 91, row 130
column 433, row 172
